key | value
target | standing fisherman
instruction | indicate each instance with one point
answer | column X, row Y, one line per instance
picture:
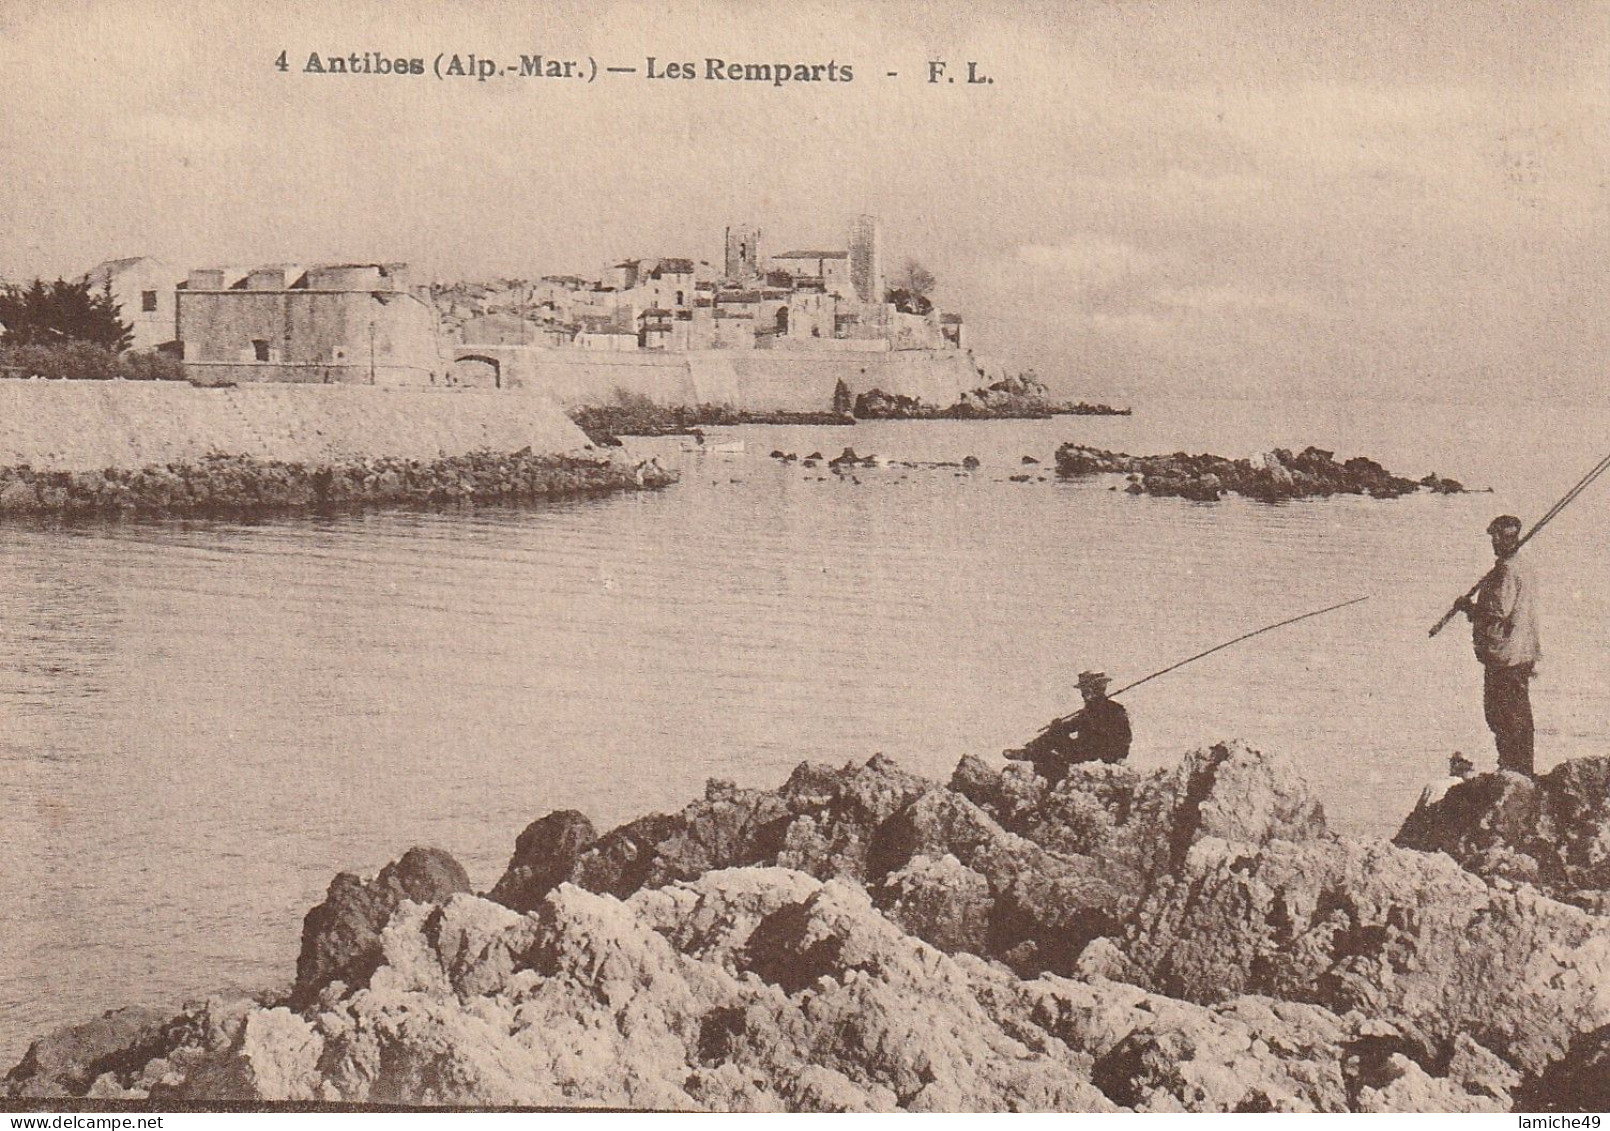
column 1503, row 623
column 1503, row 617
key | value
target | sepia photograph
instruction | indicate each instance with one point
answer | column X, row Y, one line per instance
column 811, row 556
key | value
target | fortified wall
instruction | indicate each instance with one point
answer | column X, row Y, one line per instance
column 747, row 380
column 94, row 425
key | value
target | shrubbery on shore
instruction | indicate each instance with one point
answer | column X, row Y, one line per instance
column 86, row 361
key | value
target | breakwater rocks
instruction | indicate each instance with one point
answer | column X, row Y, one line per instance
column 849, row 459
column 1275, row 476
column 233, row 485
column 603, row 424
column 860, row 938
column 1012, row 398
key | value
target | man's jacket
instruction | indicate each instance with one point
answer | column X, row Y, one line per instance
column 1504, row 627
column 1098, row 733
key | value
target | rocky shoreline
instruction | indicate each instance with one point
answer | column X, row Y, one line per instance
column 223, row 485
column 1012, row 398
column 605, row 424
column 1276, row 476
column 1193, row 938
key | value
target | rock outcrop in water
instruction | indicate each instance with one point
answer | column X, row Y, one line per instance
column 233, row 485
column 860, row 938
column 1276, row 476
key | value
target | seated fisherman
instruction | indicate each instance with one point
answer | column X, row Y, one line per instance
column 1097, row 733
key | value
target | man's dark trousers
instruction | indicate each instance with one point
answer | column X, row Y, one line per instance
column 1506, row 698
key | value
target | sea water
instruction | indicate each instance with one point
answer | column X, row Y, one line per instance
column 201, row 722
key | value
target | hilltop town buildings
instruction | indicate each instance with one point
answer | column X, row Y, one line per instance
column 364, row 322
column 813, row 299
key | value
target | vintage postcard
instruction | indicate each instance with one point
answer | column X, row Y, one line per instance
column 813, row 556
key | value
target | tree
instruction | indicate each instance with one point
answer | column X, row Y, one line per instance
column 916, row 278
column 910, row 288
column 48, row 314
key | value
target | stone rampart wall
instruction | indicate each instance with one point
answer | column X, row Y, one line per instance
column 751, row 380
column 92, row 425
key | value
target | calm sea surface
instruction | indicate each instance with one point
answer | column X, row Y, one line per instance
column 200, row 723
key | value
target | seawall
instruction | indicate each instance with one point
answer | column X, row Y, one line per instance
column 747, row 380
column 96, row 425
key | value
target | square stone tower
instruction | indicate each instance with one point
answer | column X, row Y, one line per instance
column 743, row 251
column 866, row 259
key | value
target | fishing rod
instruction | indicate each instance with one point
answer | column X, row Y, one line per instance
column 1565, row 500
column 1237, row 640
column 1220, row 648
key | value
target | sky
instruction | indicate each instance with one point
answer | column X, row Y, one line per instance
column 1391, row 199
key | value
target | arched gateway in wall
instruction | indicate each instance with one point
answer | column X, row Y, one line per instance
column 476, row 371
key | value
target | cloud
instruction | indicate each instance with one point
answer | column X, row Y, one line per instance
column 1131, row 324
column 1232, row 299
column 1094, row 257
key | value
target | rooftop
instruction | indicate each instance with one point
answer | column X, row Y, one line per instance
column 114, row 267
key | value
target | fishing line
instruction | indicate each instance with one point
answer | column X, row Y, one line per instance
column 1237, row 640
column 1219, row 648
